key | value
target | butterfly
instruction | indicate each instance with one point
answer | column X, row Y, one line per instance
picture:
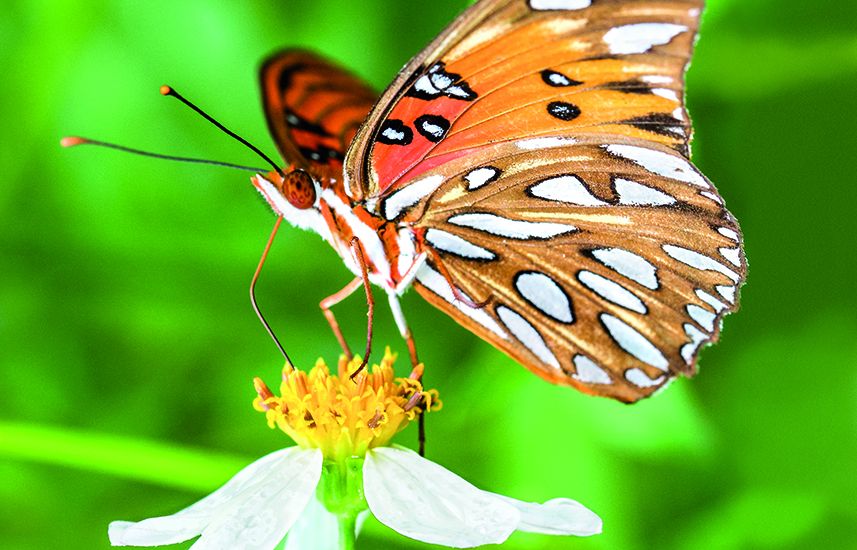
column 527, row 173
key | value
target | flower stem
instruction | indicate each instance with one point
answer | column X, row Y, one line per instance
column 347, row 531
column 341, row 493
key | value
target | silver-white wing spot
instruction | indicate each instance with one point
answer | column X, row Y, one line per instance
column 527, row 335
column 393, row 134
column 702, row 316
column 560, row 4
column 513, row 229
column 447, row 242
column 698, row 261
column 545, row 143
column 545, row 294
column 731, row 254
column 480, row 177
column 712, row 196
column 666, row 93
column 423, row 84
column 566, row 188
column 697, row 337
column 656, row 79
column 728, row 233
column 410, row 195
column 660, row 163
column 435, row 282
column 627, row 338
column 640, row 37
column 435, row 130
column 727, row 291
column 636, row 194
column 641, row 379
column 612, row 291
column 710, row 300
column 629, row 265
column 588, row 372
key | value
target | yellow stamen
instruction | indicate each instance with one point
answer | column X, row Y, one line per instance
column 341, row 416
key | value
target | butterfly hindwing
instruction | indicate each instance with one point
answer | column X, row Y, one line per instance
column 313, row 108
column 602, row 264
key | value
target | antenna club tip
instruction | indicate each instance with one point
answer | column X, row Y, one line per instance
column 71, row 141
column 166, row 90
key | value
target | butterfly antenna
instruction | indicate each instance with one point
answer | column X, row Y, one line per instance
column 169, row 91
column 253, row 291
column 73, row 141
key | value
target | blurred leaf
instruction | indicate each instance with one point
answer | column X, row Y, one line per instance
column 169, row 466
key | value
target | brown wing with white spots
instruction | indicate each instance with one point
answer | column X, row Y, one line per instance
column 539, row 148
column 313, row 108
column 515, row 69
column 605, row 264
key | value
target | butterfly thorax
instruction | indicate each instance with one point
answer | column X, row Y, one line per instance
column 389, row 249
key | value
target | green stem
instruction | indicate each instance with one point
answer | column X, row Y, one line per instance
column 341, row 493
column 347, row 531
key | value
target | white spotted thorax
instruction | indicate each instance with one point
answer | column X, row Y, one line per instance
column 575, row 236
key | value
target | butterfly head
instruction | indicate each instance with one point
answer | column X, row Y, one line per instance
column 298, row 188
column 293, row 194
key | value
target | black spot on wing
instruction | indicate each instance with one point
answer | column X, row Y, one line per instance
column 395, row 132
column 659, row 123
column 284, row 80
column 297, row 122
column 432, row 127
column 629, row 87
column 321, row 154
column 558, row 80
column 563, row 111
column 437, row 82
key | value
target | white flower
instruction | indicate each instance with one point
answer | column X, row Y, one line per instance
column 408, row 493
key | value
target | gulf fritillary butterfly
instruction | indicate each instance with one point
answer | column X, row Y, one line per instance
column 528, row 174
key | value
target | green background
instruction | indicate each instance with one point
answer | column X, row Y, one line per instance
column 128, row 345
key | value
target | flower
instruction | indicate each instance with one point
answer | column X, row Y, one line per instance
column 342, row 416
column 319, row 491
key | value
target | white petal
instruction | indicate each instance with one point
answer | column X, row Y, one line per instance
column 189, row 522
column 194, row 519
column 316, row 528
column 560, row 516
column 262, row 514
column 427, row 502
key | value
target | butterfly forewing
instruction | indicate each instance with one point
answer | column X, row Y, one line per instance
column 539, row 148
column 511, row 69
column 313, row 108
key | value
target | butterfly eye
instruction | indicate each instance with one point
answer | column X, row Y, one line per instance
column 299, row 189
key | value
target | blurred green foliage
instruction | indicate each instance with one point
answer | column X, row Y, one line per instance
column 128, row 345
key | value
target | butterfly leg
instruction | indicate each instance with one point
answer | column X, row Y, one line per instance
column 417, row 371
column 370, row 302
column 326, row 306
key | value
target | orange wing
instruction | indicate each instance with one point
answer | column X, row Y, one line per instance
column 515, row 69
column 313, row 108
column 540, row 148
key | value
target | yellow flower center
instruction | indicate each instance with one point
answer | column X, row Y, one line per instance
column 342, row 416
